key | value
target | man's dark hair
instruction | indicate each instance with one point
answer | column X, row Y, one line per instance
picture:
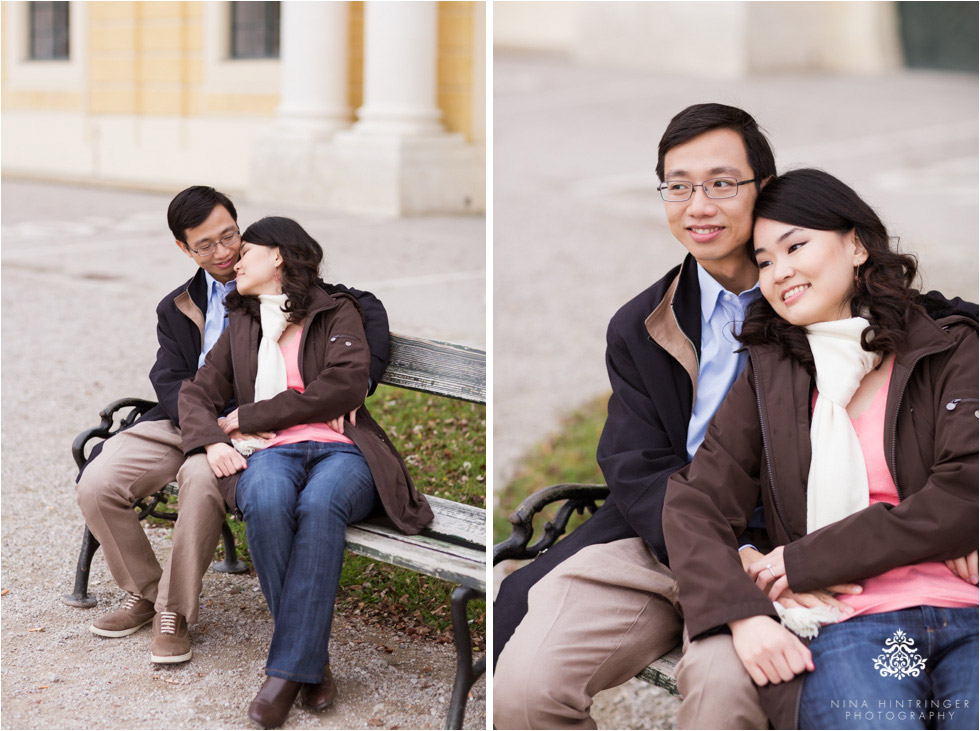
column 301, row 258
column 883, row 293
column 701, row 118
column 191, row 207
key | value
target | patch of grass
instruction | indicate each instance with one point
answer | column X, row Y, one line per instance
column 443, row 442
column 566, row 456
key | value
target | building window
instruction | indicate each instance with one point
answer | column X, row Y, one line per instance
column 254, row 30
column 49, row 31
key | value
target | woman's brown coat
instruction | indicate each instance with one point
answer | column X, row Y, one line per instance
column 760, row 439
column 334, row 365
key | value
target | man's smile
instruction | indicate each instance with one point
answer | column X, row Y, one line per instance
column 704, row 234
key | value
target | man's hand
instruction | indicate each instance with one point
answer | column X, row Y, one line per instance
column 338, row 424
column 224, row 459
column 769, row 652
column 965, row 567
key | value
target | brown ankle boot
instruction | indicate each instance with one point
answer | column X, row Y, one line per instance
column 273, row 702
column 319, row 696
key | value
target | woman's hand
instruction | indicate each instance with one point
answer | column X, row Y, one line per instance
column 236, row 435
column 753, row 559
column 965, row 567
column 224, row 459
column 770, row 571
column 229, row 423
column 769, row 651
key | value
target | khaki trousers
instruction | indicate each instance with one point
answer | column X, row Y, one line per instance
column 593, row 623
column 134, row 464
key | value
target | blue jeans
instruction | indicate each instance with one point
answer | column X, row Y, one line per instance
column 297, row 500
column 930, row 673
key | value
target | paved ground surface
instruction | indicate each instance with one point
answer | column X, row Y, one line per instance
column 579, row 227
column 82, row 271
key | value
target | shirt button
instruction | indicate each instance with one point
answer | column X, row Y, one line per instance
column 347, row 343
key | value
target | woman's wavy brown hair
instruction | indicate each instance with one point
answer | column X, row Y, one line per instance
column 301, row 258
column 883, row 286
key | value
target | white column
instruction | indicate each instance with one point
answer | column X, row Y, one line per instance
column 398, row 159
column 400, row 44
column 313, row 57
column 313, row 102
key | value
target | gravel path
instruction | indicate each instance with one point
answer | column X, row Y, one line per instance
column 82, row 272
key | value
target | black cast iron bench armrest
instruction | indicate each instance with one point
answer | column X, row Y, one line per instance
column 573, row 498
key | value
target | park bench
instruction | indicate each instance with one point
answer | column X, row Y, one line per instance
column 452, row 547
column 570, row 499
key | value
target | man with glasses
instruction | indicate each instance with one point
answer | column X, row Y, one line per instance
column 602, row 604
column 140, row 460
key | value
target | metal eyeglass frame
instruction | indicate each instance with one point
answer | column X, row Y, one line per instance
column 663, row 186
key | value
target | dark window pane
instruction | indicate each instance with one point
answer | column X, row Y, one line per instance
column 254, row 30
column 49, row 30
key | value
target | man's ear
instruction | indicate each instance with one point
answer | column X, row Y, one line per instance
column 183, row 247
column 765, row 182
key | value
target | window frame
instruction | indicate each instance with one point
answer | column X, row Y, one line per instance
column 48, row 75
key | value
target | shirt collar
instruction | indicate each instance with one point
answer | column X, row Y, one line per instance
column 214, row 285
column 711, row 291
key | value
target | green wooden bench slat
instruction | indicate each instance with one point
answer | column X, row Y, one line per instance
column 442, row 369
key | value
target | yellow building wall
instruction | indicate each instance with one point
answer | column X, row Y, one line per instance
column 454, row 80
column 146, row 58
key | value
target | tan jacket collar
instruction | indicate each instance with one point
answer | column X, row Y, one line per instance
column 663, row 328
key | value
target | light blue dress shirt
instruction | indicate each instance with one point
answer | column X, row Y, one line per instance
column 216, row 318
column 722, row 314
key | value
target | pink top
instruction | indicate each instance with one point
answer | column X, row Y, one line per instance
column 319, row 432
column 930, row 583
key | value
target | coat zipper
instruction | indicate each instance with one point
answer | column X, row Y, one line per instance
column 765, row 447
column 893, row 463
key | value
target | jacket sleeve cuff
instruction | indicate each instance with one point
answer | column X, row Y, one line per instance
column 191, row 443
column 719, row 617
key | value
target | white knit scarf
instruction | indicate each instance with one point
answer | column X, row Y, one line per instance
column 838, row 481
column 270, row 377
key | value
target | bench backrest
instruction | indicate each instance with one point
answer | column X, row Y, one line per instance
column 436, row 367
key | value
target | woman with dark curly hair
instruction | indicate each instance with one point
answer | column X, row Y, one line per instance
column 856, row 420
column 295, row 361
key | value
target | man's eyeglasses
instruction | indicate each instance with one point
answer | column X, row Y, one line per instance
column 229, row 241
column 677, row 191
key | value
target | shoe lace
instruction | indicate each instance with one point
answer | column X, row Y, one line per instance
column 168, row 623
column 131, row 601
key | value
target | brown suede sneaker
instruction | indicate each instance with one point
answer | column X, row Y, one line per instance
column 170, row 640
column 133, row 614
